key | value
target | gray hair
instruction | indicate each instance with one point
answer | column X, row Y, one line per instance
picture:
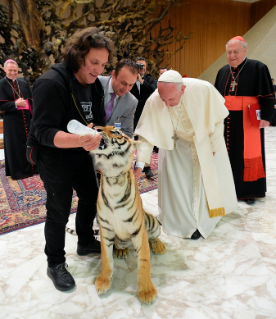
column 9, row 61
column 244, row 44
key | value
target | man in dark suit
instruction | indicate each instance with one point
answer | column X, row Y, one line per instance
column 121, row 82
column 145, row 85
column 163, row 69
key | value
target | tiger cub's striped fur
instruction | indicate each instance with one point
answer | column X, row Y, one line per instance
column 120, row 213
column 71, row 231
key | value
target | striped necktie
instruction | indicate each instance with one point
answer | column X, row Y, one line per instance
column 109, row 107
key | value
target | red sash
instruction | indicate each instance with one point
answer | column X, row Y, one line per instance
column 252, row 152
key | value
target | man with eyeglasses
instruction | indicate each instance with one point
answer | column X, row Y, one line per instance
column 247, row 88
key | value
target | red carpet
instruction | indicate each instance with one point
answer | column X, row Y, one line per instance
column 22, row 202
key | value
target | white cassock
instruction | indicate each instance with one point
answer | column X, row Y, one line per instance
column 195, row 187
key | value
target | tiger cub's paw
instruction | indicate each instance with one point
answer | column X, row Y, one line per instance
column 148, row 295
column 121, row 253
column 103, row 284
column 157, row 246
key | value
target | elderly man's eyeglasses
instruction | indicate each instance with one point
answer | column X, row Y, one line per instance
column 236, row 52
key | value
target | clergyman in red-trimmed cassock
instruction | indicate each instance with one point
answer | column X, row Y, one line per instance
column 247, row 88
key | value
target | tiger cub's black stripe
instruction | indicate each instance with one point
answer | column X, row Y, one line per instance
column 146, row 220
column 112, row 239
column 133, row 202
column 149, row 219
column 130, row 219
column 117, row 142
column 105, row 200
column 103, row 220
column 118, row 153
column 121, row 206
column 136, row 232
column 111, row 230
column 135, row 217
column 152, row 226
column 128, row 189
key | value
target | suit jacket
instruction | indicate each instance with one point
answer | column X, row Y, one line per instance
column 124, row 109
column 146, row 89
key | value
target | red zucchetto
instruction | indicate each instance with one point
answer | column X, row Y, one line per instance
column 238, row 38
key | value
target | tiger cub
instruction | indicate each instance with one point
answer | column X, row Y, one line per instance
column 120, row 213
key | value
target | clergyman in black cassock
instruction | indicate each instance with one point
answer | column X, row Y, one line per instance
column 245, row 82
column 273, row 122
column 16, row 122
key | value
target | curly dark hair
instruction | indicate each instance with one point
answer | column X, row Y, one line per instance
column 80, row 44
column 131, row 65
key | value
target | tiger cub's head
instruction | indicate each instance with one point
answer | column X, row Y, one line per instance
column 115, row 152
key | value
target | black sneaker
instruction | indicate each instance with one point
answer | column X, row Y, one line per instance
column 94, row 247
column 61, row 278
column 148, row 172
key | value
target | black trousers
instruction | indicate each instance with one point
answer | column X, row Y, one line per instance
column 62, row 171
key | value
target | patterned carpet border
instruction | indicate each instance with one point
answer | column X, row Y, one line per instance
column 22, row 202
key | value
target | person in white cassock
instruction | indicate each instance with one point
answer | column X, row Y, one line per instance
column 184, row 118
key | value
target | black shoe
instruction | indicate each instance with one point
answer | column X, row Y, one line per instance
column 155, row 149
column 61, row 278
column 148, row 172
column 196, row 235
column 250, row 201
column 94, row 247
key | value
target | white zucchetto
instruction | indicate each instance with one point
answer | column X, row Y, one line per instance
column 171, row 76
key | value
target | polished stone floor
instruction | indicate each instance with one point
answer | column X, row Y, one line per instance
column 231, row 274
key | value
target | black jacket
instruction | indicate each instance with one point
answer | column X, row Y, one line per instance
column 55, row 103
column 146, row 89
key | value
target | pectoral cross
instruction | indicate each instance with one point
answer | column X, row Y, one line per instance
column 234, row 85
column 175, row 138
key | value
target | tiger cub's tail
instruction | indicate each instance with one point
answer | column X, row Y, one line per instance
column 153, row 229
column 70, row 231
